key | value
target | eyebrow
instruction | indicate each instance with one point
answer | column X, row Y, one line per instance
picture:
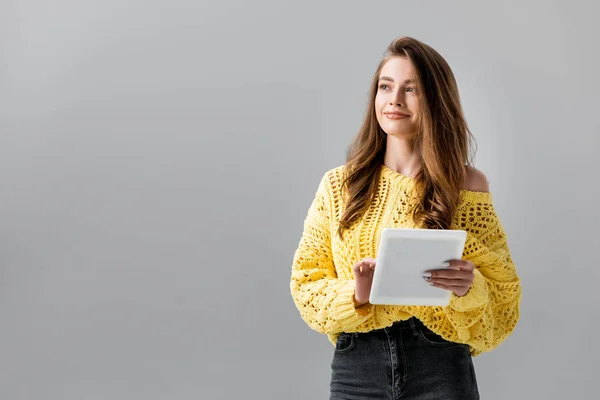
column 387, row 78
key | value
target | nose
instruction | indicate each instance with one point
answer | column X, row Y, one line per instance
column 397, row 99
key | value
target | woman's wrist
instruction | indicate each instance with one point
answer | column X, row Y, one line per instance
column 357, row 303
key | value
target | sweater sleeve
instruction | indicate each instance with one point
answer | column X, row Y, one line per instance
column 325, row 301
column 488, row 313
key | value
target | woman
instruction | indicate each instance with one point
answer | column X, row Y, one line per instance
column 409, row 166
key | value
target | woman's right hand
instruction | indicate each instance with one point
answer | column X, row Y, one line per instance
column 363, row 279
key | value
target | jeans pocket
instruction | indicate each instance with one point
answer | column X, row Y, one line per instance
column 433, row 339
column 345, row 342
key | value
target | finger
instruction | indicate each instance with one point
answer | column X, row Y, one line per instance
column 444, row 265
column 464, row 265
column 452, row 282
column 448, row 274
column 440, row 285
column 455, row 265
column 459, row 291
column 369, row 263
column 454, row 288
column 363, row 268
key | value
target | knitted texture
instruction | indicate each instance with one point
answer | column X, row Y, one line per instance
column 322, row 282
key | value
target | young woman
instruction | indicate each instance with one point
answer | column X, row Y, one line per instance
column 408, row 166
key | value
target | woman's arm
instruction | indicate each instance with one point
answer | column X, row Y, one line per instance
column 325, row 301
column 488, row 313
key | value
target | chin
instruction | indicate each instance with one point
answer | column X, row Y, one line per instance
column 405, row 134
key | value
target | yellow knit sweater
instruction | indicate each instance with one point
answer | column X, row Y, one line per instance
column 322, row 283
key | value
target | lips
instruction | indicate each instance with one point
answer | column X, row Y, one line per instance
column 393, row 115
column 396, row 114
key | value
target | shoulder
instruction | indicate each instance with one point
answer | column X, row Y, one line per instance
column 476, row 181
column 333, row 177
column 336, row 171
column 330, row 181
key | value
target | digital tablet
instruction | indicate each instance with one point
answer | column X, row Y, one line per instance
column 403, row 256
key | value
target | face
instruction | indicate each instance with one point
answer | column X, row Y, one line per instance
column 396, row 102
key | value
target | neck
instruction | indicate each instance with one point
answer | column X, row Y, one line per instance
column 401, row 157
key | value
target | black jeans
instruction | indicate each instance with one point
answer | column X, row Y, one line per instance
column 404, row 361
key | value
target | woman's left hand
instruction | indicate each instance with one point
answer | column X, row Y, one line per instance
column 458, row 277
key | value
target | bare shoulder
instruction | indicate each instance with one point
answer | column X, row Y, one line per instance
column 476, row 181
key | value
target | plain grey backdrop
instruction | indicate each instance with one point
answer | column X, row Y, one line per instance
column 157, row 160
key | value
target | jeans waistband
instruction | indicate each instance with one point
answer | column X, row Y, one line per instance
column 411, row 324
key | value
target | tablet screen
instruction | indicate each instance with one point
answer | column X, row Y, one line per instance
column 404, row 255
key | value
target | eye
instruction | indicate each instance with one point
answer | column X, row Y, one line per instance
column 411, row 88
column 383, row 86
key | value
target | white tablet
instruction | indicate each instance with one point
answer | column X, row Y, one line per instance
column 404, row 255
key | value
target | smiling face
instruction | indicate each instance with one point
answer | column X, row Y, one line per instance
column 396, row 101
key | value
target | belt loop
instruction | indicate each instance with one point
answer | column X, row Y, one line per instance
column 413, row 327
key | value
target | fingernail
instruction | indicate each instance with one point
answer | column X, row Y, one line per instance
column 427, row 278
column 426, row 274
column 446, row 264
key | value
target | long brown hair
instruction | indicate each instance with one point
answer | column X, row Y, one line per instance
column 443, row 142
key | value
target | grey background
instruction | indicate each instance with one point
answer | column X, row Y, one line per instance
column 157, row 160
